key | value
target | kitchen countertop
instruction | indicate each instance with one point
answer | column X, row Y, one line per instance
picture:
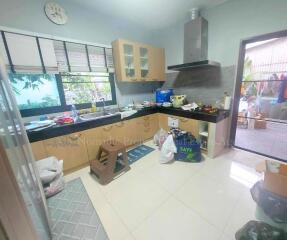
column 59, row 130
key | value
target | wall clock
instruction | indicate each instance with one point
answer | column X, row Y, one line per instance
column 56, row 13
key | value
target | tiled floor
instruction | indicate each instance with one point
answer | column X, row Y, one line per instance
column 207, row 200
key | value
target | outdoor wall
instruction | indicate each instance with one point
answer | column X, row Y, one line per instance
column 228, row 24
column 83, row 24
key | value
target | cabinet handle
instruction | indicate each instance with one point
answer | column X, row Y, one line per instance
column 75, row 137
column 120, row 125
column 183, row 120
column 107, row 128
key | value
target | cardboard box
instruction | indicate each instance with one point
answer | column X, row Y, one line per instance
column 274, row 182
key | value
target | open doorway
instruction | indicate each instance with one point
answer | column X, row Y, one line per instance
column 259, row 122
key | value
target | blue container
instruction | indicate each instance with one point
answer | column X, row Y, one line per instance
column 163, row 95
column 187, row 151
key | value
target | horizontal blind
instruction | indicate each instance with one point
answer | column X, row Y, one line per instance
column 61, row 58
column 97, row 59
column 3, row 53
column 109, row 57
column 48, row 55
column 78, row 58
column 24, row 53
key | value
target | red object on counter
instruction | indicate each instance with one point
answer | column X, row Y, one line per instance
column 64, row 120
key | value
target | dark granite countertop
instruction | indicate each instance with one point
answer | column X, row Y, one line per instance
column 59, row 130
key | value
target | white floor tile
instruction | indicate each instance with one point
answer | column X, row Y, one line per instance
column 209, row 200
column 214, row 201
column 173, row 220
column 173, row 175
column 244, row 211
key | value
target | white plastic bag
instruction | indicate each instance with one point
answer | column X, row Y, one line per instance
column 160, row 137
column 57, row 185
column 49, row 169
column 167, row 151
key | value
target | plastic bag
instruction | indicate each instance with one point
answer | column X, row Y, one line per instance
column 160, row 137
column 254, row 230
column 57, row 185
column 273, row 205
column 49, row 169
column 167, row 151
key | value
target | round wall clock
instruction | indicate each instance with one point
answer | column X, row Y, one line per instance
column 56, row 13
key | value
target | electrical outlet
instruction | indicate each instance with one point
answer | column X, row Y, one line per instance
column 172, row 122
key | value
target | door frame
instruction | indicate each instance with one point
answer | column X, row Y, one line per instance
column 238, row 81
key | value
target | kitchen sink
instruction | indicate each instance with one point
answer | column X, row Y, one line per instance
column 97, row 115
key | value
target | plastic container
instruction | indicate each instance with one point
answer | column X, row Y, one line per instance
column 163, row 95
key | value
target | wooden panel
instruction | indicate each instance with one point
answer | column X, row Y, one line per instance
column 189, row 125
column 39, row 150
column 70, row 148
column 94, row 140
column 157, row 64
column 163, row 123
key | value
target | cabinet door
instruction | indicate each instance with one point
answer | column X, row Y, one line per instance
column 144, row 60
column 163, row 122
column 94, row 140
column 157, row 64
column 39, row 150
column 189, row 125
column 70, row 148
column 150, row 126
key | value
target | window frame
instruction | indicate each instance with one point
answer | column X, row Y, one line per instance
column 237, row 87
column 64, row 107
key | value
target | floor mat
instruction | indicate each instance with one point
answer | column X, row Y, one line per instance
column 138, row 152
column 73, row 215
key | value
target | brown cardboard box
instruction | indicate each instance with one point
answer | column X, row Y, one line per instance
column 260, row 124
column 276, row 183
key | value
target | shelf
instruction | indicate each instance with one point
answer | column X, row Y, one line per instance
column 204, row 134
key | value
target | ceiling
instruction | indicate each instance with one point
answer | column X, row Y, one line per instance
column 151, row 14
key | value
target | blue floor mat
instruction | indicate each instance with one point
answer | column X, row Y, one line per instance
column 138, row 152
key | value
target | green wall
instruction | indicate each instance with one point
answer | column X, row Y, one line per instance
column 228, row 24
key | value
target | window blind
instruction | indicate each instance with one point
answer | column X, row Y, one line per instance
column 24, row 53
column 61, row 58
column 48, row 55
column 97, row 59
column 3, row 53
column 110, row 60
column 78, row 58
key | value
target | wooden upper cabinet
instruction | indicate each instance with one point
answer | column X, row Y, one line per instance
column 138, row 62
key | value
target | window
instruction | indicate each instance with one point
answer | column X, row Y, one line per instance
column 38, row 94
column 87, row 88
column 35, row 90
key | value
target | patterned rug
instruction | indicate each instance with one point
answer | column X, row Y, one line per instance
column 73, row 215
column 137, row 153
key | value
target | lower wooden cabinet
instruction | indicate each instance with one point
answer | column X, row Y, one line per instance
column 189, row 125
column 79, row 148
column 70, row 148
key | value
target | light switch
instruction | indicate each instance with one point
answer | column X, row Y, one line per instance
column 172, row 122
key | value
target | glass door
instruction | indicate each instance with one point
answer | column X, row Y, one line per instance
column 18, row 156
column 129, row 61
column 260, row 108
column 144, row 63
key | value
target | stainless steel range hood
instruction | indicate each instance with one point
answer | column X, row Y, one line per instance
column 195, row 45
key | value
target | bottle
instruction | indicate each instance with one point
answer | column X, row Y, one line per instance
column 226, row 101
column 74, row 112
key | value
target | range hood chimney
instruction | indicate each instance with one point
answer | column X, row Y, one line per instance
column 195, row 44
